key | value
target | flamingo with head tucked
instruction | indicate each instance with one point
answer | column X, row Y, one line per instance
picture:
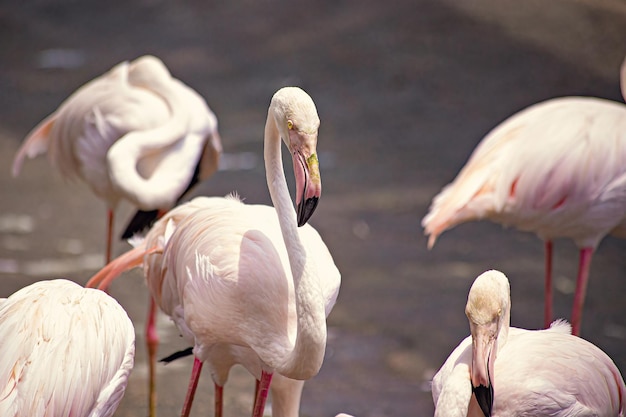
column 65, row 351
column 558, row 169
column 244, row 283
column 505, row 371
column 135, row 134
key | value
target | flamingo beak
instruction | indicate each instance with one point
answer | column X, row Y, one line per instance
column 484, row 397
column 483, row 356
column 307, row 172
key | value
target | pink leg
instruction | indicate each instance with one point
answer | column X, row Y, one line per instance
column 193, row 384
column 219, row 400
column 581, row 288
column 110, row 220
column 547, row 308
column 261, row 394
column 152, row 343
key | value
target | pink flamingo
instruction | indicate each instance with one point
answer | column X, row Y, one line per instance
column 244, row 283
column 506, row 371
column 66, row 351
column 135, row 134
column 556, row 169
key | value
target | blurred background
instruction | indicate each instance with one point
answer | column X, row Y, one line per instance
column 405, row 90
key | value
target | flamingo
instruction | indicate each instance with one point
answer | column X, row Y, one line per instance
column 558, row 169
column 135, row 134
column 507, row 371
column 66, row 351
column 243, row 283
column 286, row 393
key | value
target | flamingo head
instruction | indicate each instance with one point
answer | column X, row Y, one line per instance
column 298, row 124
column 488, row 308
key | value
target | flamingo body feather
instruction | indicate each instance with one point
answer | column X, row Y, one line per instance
column 557, row 168
column 66, row 351
column 125, row 132
column 533, row 372
column 244, row 283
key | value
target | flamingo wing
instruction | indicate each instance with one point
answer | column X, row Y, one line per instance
column 222, row 266
column 554, row 373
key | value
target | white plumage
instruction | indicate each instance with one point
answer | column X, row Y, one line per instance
column 65, row 351
column 558, row 169
column 242, row 282
column 286, row 393
column 532, row 372
column 135, row 134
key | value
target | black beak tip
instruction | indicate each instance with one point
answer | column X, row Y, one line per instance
column 484, row 397
column 306, row 209
column 177, row 355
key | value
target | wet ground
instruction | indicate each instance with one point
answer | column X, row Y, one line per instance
column 405, row 90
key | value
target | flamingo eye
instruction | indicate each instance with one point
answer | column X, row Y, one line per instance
column 289, row 124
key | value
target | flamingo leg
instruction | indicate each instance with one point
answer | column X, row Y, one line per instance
column 263, row 387
column 110, row 221
column 219, row 400
column 257, row 383
column 581, row 288
column 547, row 308
column 193, row 384
column 152, row 343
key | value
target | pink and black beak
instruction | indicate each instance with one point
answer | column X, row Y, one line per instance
column 483, row 356
column 308, row 180
column 484, row 397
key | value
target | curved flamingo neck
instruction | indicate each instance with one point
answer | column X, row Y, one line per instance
column 279, row 193
column 305, row 358
column 165, row 185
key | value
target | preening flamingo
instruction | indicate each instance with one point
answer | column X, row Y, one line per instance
column 242, row 282
column 65, row 351
column 517, row 372
column 558, row 169
column 135, row 134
